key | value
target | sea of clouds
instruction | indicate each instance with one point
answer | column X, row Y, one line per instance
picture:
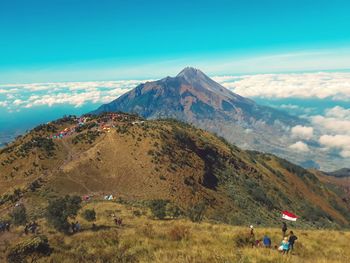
column 329, row 126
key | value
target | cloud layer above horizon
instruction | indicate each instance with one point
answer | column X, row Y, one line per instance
column 328, row 129
column 323, row 85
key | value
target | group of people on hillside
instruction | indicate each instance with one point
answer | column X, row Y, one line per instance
column 286, row 246
column 75, row 226
column 288, row 241
column 118, row 221
column 5, row 226
column 32, row 227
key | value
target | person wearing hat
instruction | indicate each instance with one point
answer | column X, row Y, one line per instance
column 251, row 230
column 252, row 236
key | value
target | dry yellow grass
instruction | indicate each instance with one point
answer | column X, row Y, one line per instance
column 142, row 239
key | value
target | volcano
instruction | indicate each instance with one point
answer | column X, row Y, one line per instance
column 193, row 97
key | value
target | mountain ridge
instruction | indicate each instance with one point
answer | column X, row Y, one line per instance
column 137, row 159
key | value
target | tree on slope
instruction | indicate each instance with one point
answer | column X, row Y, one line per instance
column 60, row 209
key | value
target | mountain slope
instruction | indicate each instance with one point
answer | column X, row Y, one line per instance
column 194, row 98
column 134, row 159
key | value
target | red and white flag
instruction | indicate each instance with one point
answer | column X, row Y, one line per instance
column 289, row 216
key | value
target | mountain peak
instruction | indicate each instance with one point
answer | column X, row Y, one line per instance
column 190, row 73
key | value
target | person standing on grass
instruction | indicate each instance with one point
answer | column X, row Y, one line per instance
column 267, row 241
column 251, row 230
column 26, row 229
column 292, row 239
column 285, row 245
column 7, row 226
column 284, row 229
column 252, row 236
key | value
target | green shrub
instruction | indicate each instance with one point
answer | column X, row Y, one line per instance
column 137, row 213
column 19, row 215
column 46, row 144
column 172, row 210
column 89, row 215
column 29, row 250
column 34, row 185
column 259, row 195
column 196, row 213
column 60, row 209
column 158, row 208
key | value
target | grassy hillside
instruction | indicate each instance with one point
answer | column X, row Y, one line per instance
column 139, row 160
column 144, row 239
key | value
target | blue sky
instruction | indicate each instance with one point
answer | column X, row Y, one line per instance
column 76, row 40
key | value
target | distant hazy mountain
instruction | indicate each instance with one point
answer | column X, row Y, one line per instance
column 344, row 172
column 195, row 98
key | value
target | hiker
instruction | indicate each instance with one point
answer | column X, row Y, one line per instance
column 252, row 240
column 30, row 227
column 26, row 229
column 258, row 242
column 7, row 226
column 33, row 227
column 284, row 247
column 284, row 229
column 118, row 221
column 77, row 226
column 251, row 230
column 267, row 242
column 291, row 240
column 72, row 225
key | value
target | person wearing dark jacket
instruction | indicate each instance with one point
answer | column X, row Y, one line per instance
column 292, row 239
column 284, row 229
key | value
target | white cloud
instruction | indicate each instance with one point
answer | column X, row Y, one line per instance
column 289, row 106
column 302, row 132
column 345, row 153
column 70, row 93
column 299, row 146
column 341, row 142
column 75, row 99
column 335, row 85
column 3, row 103
column 331, row 124
column 18, row 102
column 338, row 112
column 334, row 130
